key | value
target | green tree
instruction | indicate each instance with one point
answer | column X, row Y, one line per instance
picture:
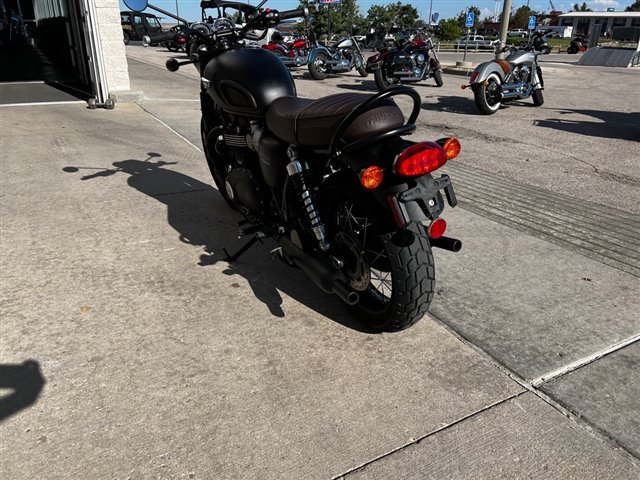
column 582, row 8
column 343, row 18
column 635, row 7
column 450, row 29
column 396, row 15
column 462, row 17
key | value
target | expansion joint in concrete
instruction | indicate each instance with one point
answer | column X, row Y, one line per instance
column 418, row 440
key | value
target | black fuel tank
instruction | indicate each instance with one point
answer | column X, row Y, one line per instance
column 245, row 81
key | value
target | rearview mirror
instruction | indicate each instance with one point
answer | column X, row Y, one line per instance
column 136, row 5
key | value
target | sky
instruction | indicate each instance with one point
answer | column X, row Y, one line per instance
column 190, row 9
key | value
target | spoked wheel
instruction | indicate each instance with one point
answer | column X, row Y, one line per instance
column 216, row 162
column 393, row 273
column 318, row 68
column 384, row 77
column 487, row 95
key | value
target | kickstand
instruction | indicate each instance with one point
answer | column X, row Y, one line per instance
column 244, row 248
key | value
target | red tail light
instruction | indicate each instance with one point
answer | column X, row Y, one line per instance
column 419, row 159
column 474, row 76
column 182, row 39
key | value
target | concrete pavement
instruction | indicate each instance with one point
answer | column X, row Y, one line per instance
column 163, row 361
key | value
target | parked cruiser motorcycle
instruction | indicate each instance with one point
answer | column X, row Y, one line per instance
column 516, row 77
column 578, row 44
column 292, row 54
column 412, row 60
column 342, row 56
column 332, row 181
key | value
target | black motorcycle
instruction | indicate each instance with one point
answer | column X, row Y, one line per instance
column 411, row 60
column 578, row 44
column 332, row 181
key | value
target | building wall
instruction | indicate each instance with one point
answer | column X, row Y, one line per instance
column 115, row 59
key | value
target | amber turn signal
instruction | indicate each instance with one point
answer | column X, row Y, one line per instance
column 451, row 147
column 371, row 177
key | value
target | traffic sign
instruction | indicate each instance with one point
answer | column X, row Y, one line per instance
column 470, row 18
column 532, row 22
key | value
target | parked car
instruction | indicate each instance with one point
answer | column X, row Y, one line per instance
column 136, row 25
column 475, row 41
column 517, row 32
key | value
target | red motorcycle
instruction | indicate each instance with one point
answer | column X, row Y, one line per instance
column 410, row 61
column 292, row 54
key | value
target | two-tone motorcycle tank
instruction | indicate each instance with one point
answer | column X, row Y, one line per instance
column 245, row 81
column 521, row 56
column 344, row 43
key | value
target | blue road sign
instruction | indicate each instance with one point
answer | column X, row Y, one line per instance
column 470, row 17
column 532, row 22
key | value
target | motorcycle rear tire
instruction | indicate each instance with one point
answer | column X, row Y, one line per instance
column 437, row 76
column 404, row 260
column 318, row 68
column 382, row 81
column 363, row 72
column 480, row 95
column 572, row 49
column 537, row 97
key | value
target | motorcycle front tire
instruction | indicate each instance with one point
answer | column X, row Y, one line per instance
column 537, row 97
column 437, row 76
column 363, row 72
column 216, row 171
column 572, row 49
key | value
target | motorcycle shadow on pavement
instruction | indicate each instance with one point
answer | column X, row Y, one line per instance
column 620, row 125
column 203, row 219
column 461, row 105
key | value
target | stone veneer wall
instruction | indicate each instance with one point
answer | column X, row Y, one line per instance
column 110, row 34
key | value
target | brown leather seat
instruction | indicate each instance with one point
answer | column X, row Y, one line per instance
column 302, row 121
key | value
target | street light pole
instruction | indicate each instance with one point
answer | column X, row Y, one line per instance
column 177, row 11
column 504, row 26
column 430, row 10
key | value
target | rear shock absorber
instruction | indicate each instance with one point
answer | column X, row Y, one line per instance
column 301, row 178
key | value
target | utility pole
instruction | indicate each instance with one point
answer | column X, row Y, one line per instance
column 430, row 10
column 177, row 11
column 504, row 26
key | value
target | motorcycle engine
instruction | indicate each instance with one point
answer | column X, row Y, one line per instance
column 521, row 73
column 242, row 183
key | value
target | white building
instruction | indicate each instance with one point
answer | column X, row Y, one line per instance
column 583, row 22
column 75, row 45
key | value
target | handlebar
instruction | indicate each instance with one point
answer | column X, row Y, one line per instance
column 298, row 12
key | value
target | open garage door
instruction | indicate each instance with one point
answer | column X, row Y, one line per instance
column 49, row 52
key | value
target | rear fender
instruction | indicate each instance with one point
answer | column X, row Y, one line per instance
column 320, row 49
column 484, row 70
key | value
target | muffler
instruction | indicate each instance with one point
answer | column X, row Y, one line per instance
column 325, row 275
column 446, row 243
